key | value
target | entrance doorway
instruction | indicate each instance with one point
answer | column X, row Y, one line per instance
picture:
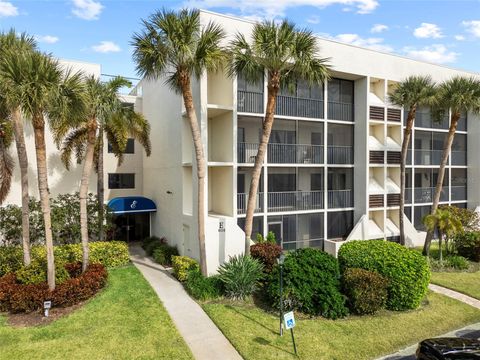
column 277, row 229
column 132, row 227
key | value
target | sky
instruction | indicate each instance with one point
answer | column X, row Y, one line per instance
column 99, row 31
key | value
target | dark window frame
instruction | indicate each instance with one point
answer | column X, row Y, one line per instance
column 121, row 182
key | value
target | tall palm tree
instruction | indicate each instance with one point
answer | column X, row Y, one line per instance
column 411, row 93
column 6, row 161
column 175, row 46
column 12, row 45
column 104, row 109
column 286, row 54
column 49, row 92
column 446, row 223
column 460, row 95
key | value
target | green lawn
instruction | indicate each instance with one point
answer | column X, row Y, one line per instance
column 465, row 282
column 254, row 333
column 125, row 321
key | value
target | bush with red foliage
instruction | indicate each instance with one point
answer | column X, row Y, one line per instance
column 267, row 253
column 15, row 297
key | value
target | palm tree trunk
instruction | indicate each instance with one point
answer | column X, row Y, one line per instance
column 23, row 162
column 100, row 186
column 41, row 154
column 87, row 169
column 201, row 166
column 440, row 236
column 441, row 174
column 406, row 139
column 273, row 87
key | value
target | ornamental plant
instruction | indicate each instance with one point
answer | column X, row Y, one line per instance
column 240, row 276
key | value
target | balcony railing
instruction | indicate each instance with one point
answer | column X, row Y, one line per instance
column 459, row 157
column 303, row 243
column 408, row 195
column 458, row 193
column 295, row 154
column 428, row 157
column 340, row 111
column 242, row 200
column 295, row 200
column 340, row 199
column 249, row 101
column 299, row 107
column 425, row 120
column 340, row 154
column 425, row 195
column 246, row 152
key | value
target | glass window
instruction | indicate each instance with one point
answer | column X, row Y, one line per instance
column 257, row 225
column 340, row 178
column 121, row 181
column 419, row 214
column 316, row 182
column 244, row 85
column 281, row 182
column 340, row 135
column 129, row 148
column 339, row 223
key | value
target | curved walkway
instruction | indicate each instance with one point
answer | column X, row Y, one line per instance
column 455, row 295
column 202, row 336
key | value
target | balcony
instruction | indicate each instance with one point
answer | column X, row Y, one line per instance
column 337, row 154
column 428, row 157
column 459, row 158
column 299, row 107
column 246, row 152
column 340, row 111
column 249, row 101
column 459, row 193
column 340, row 199
column 425, row 195
column 295, row 154
column 295, row 200
column 242, row 200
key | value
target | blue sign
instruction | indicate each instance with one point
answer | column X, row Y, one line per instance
column 289, row 320
column 131, row 204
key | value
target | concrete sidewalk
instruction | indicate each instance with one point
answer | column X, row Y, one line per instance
column 203, row 337
column 455, row 295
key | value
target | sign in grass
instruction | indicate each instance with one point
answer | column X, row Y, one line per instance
column 289, row 321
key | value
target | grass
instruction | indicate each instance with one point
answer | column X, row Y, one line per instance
column 125, row 321
column 465, row 282
column 254, row 332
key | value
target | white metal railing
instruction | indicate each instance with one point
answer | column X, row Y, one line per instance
column 295, row 200
column 295, row 154
column 246, row 152
column 242, row 201
column 340, row 198
column 249, row 101
column 340, row 111
column 340, row 154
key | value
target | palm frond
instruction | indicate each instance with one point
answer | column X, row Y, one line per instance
column 6, row 169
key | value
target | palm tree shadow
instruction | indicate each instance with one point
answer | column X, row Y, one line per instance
column 265, row 342
column 230, row 307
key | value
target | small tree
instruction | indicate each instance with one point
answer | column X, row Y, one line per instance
column 285, row 54
column 446, row 224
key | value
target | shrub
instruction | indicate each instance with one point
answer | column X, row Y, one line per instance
column 310, row 284
column 407, row 270
column 15, row 297
column 108, row 253
column 201, row 287
column 366, row 291
column 267, row 254
column 467, row 245
column 163, row 254
column 152, row 243
column 182, row 265
column 240, row 276
column 457, row 262
column 36, row 273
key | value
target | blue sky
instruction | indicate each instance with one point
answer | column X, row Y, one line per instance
column 442, row 31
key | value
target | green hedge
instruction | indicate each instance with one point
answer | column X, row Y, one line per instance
column 467, row 245
column 108, row 253
column 407, row 270
column 182, row 265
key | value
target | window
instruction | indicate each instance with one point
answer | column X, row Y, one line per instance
column 129, row 148
column 340, row 91
column 121, row 181
column 281, row 182
column 244, row 85
column 339, row 224
column 316, row 182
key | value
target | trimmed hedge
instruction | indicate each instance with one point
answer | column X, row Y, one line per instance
column 311, row 284
column 182, row 265
column 15, row 297
column 163, row 254
column 467, row 245
column 267, row 253
column 108, row 253
column 203, row 288
column 366, row 290
column 407, row 270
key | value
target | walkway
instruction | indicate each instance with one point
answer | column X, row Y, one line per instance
column 200, row 333
column 472, row 331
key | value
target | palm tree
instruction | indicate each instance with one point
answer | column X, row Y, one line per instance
column 12, row 45
column 286, row 54
column 411, row 93
column 104, row 109
column 175, row 46
column 48, row 92
column 446, row 223
column 6, row 160
column 460, row 95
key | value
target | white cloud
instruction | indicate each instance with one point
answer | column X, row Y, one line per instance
column 47, row 39
column 473, row 27
column 369, row 43
column 313, row 19
column 378, row 28
column 437, row 53
column 459, row 37
column 275, row 8
column 106, row 47
column 427, row 30
column 7, row 9
column 87, row 9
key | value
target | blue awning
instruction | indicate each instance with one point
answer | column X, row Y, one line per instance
column 131, row 205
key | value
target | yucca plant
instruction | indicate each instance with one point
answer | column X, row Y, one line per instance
column 240, row 276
